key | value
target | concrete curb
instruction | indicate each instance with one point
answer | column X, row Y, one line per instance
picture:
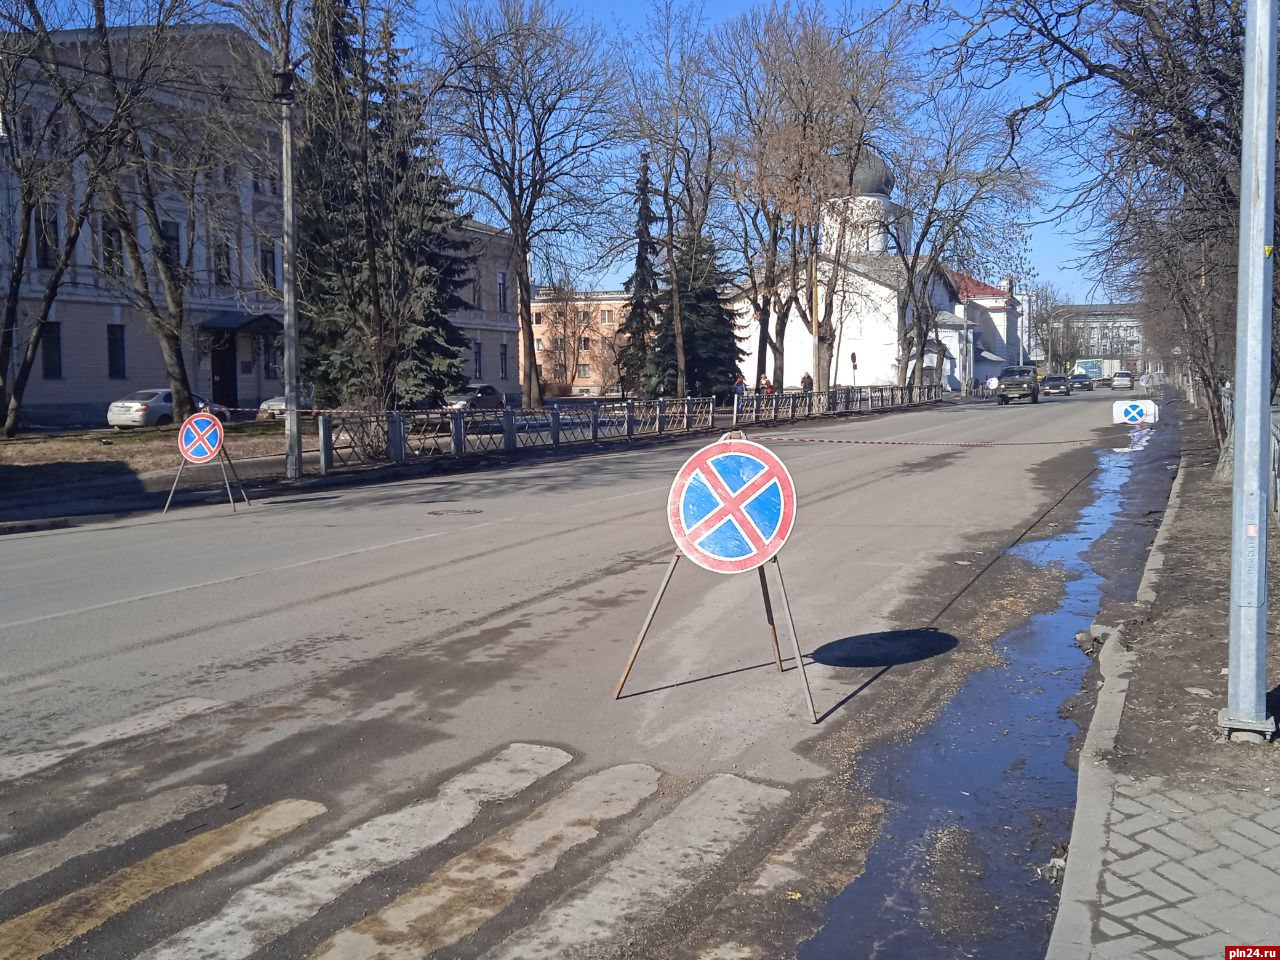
column 1072, row 937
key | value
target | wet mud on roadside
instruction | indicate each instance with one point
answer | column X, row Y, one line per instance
column 981, row 801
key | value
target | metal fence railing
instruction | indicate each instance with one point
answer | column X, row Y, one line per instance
column 353, row 440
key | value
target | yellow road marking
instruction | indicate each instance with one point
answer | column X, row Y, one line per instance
column 54, row 925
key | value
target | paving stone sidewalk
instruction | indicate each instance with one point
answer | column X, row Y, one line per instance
column 1175, row 849
column 1187, row 871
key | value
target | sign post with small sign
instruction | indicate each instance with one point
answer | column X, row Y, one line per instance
column 731, row 508
column 201, row 439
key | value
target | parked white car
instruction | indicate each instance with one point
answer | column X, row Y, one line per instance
column 154, row 408
column 273, row 409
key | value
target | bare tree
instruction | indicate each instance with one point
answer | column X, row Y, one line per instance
column 742, row 51
column 672, row 110
column 1146, row 99
column 533, row 110
column 66, row 148
column 1052, row 326
column 839, row 80
column 959, row 179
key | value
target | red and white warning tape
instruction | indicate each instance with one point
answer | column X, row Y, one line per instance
column 932, row 443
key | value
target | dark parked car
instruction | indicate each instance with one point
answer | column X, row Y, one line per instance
column 478, row 396
column 1056, row 383
column 1018, row 383
column 1081, row 381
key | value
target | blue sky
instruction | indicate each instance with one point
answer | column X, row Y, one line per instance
column 1055, row 248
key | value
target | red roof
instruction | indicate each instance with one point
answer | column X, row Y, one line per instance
column 968, row 288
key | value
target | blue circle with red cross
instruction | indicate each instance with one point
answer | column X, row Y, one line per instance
column 732, row 506
column 200, row 437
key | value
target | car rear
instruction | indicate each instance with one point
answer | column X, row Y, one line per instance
column 141, row 409
column 1122, row 380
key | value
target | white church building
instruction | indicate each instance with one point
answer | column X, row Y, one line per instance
column 978, row 323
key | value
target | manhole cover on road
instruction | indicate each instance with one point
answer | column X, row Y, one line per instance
column 452, row 513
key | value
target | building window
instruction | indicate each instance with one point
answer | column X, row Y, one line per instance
column 477, row 352
column 502, row 361
column 558, row 372
column 229, row 175
column 557, row 344
column 537, row 346
column 541, row 375
column 28, row 130
column 257, row 182
column 51, row 351
column 606, row 316
column 46, row 238
column 584, row 371
column 169, row 244
column 477, row 294
column 537, row 318
column 112, row 249
column 585, row 343
column 270, row 358
column 267, row 262
column 584, row 316
column 222, row 263
column 115, row 352
column 502, row 291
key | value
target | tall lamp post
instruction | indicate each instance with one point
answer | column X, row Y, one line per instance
column 292, row 419
column 1245, row 716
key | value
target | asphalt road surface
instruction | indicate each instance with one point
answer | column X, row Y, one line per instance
column 380, row 722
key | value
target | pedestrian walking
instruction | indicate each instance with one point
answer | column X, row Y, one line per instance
column 806, row 383
column 740, row 385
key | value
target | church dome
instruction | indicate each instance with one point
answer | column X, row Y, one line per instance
column 872, row 176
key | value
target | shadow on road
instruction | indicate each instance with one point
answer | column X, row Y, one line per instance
column 886, row 649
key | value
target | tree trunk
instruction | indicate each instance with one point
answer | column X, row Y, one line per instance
column 779, row 346
column 530, row 387
column 75, row 224
column 165, row 326
column 823, row 353
column 677, row 320
column 904, row 342
column 13, row 295
column 762, row 354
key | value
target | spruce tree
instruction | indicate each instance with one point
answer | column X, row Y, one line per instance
column 642, row 313
column 380, row 261
column 710, row 331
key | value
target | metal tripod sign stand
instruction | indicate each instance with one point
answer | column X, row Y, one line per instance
column 200, row 440
column 731, row 508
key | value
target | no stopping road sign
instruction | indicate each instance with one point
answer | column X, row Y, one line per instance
column 200, row 437
column 732, row 506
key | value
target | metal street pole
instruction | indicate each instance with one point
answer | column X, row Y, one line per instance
column 292, row 420
column 1246, row 711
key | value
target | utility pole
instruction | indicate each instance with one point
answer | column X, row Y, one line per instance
column 292, row 419
column 1245, row 716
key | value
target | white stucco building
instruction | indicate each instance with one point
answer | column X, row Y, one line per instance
column 977, row 322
